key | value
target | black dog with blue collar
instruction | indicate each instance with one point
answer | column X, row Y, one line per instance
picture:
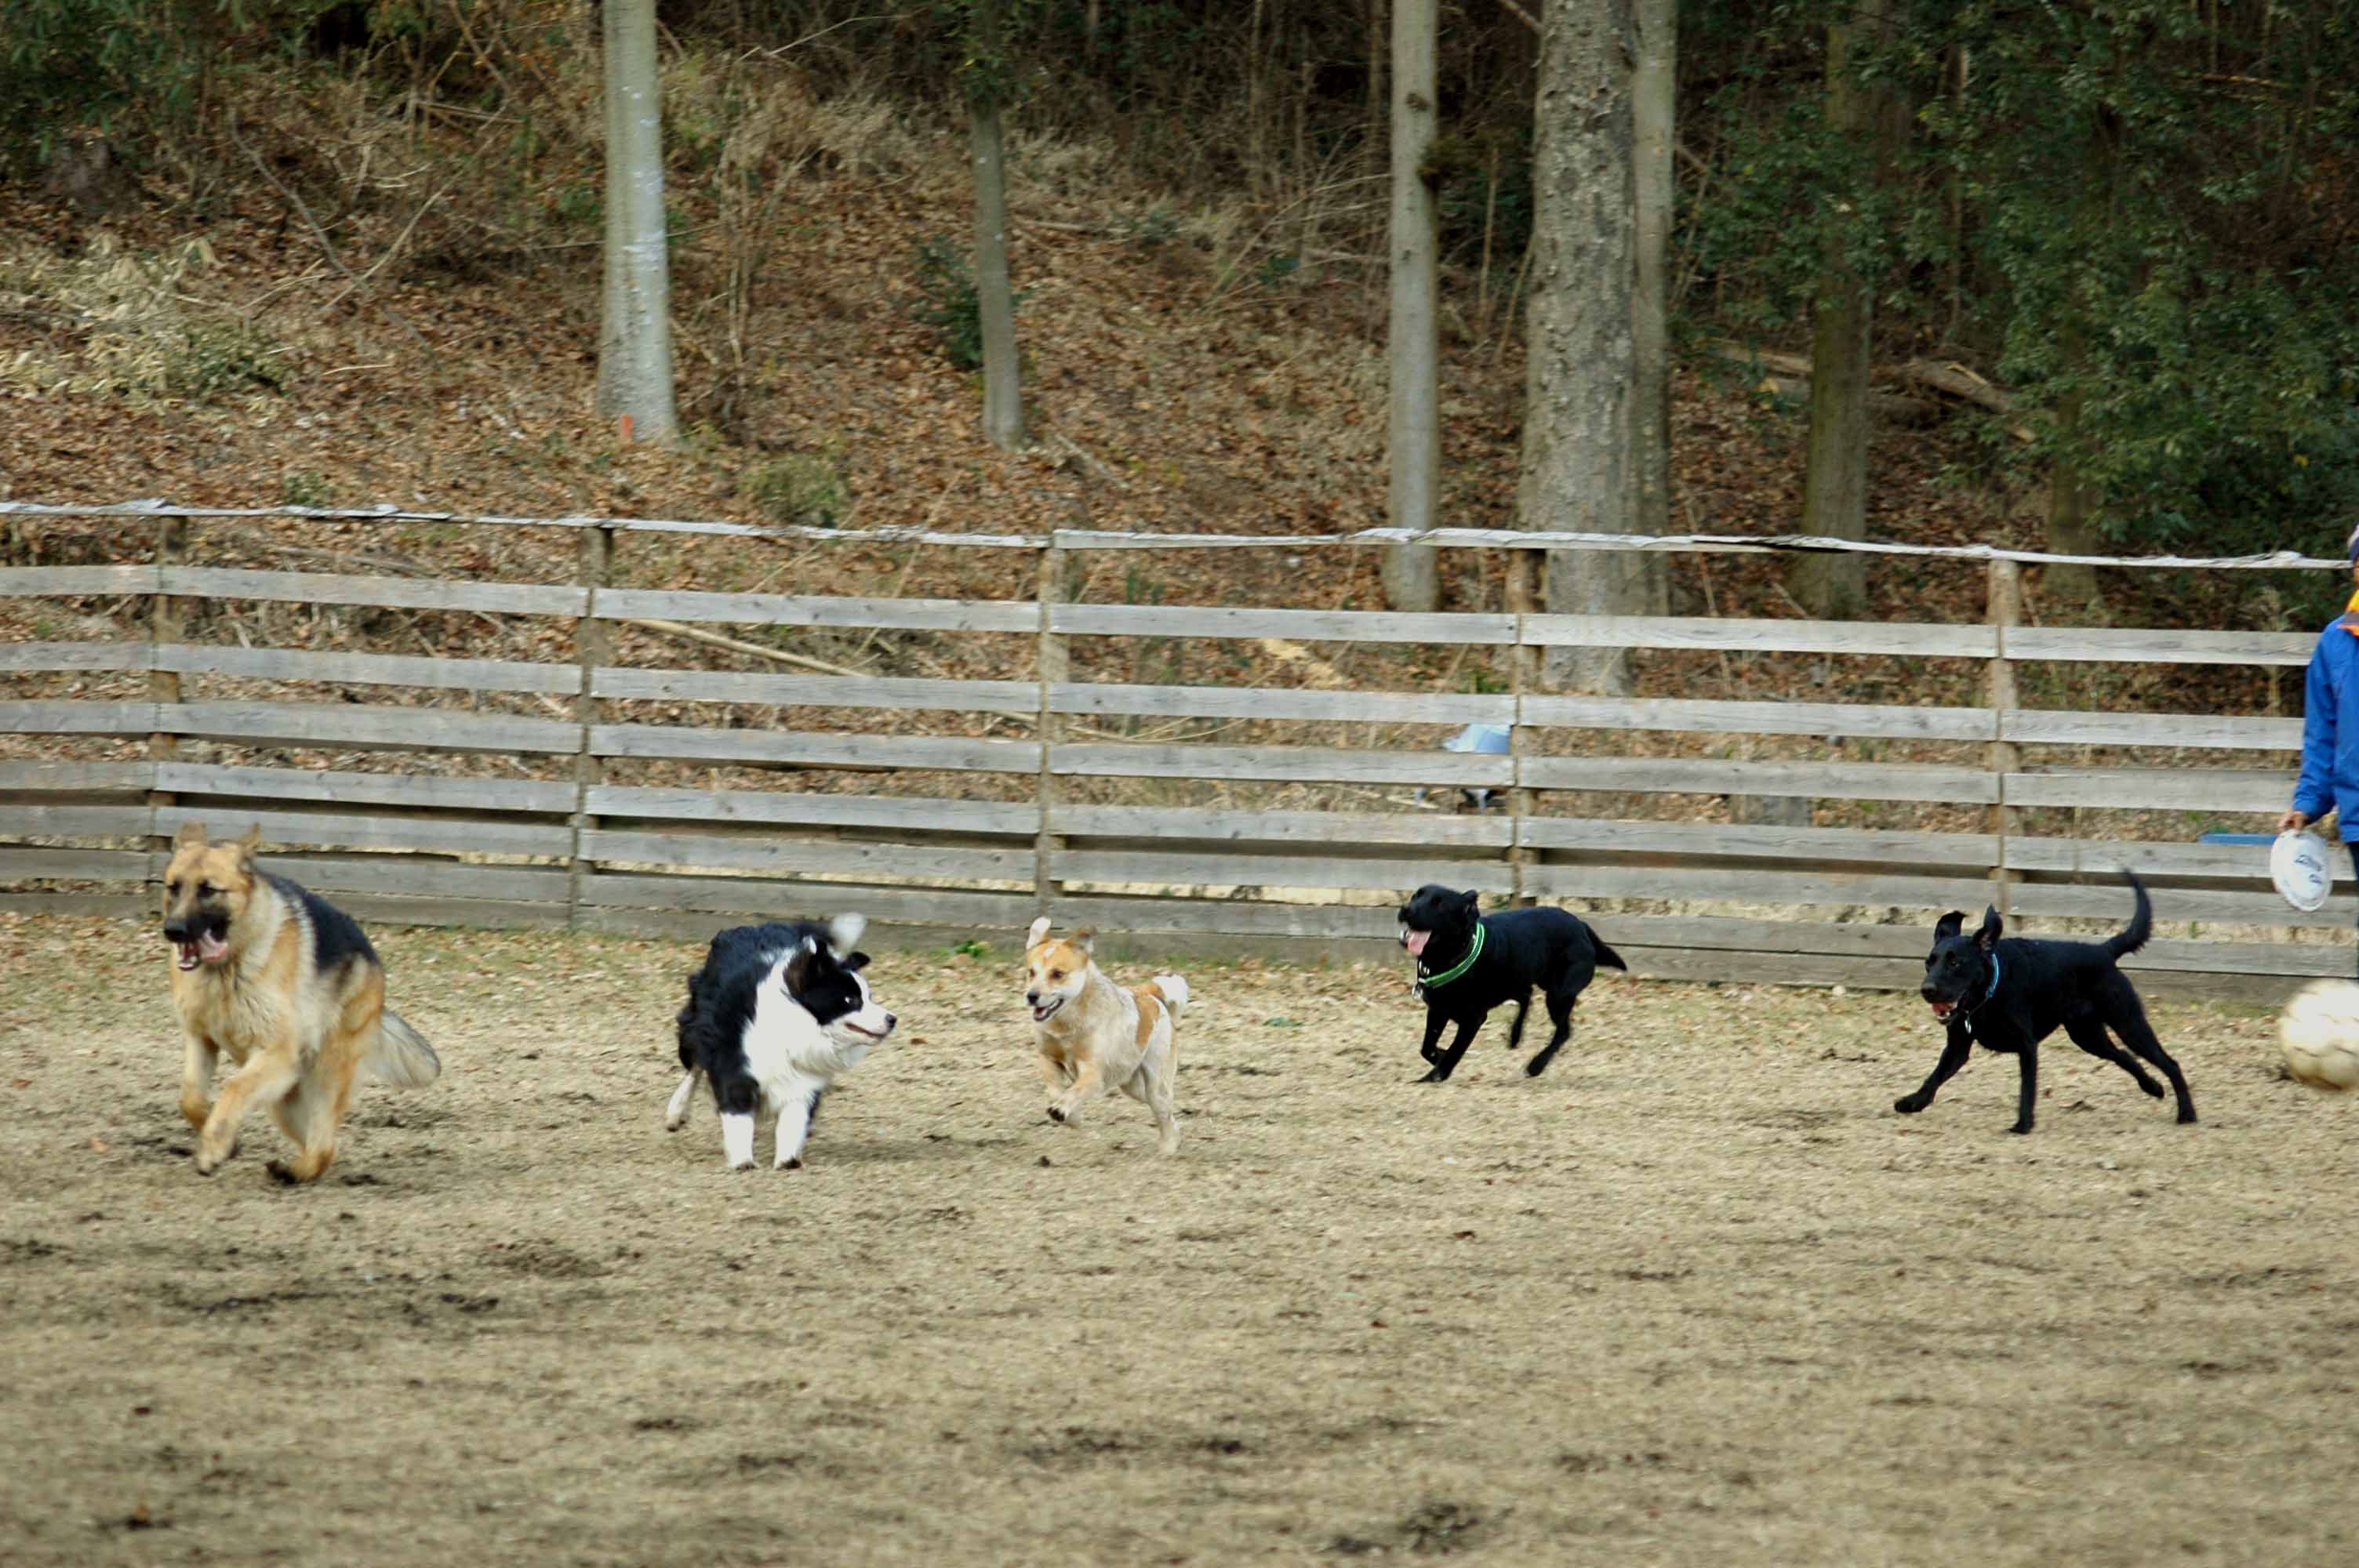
column 2008, row 996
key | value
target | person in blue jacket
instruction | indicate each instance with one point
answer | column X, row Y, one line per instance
column 2329, row 724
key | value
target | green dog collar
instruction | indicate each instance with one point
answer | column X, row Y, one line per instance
column 1457, row 968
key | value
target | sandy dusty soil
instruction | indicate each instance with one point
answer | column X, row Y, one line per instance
column 1696, row 1296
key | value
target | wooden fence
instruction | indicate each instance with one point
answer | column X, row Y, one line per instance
column 1020, row 801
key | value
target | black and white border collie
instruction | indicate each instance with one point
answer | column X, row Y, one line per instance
column 776, row 1014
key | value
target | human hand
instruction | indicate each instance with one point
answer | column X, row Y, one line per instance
column 2292, row 821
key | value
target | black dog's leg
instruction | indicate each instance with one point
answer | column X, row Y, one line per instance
column 1560, row 1015
column 1434, row 1019
column 1448, row 1061
column 2090, row 1036
column 2029, row 1060
column 1953, row 1057
column 1515, row 1030
column 2129, row 1023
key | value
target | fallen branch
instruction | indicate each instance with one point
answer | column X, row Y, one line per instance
column 326, row 244
column 715, row 640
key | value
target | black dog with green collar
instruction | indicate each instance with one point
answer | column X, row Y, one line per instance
column 1469, row 962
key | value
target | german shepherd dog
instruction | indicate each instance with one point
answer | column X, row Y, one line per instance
column 2008, row 996
column 284, row 984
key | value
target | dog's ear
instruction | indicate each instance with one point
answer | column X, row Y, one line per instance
column 1039, row 934
column 843, row 932
column 1086, row 940
column 1473, row 900
column 1949, row 925
column 853, row 961
column 248, row 845
column 1987, row 937
column 190, row 832
column 797, row 964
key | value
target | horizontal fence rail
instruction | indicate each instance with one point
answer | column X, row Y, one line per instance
column 822, row 787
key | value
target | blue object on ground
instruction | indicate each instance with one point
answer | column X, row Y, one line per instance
column 2238, row 838
column 1486, row 738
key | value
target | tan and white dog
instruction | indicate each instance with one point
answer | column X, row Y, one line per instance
column 1095, row 1036
column 282, row 984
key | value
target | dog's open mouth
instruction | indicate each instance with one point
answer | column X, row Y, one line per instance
column 1415, row 940
column 1942, row 1009
column 1047, row 1010
column 208, row 948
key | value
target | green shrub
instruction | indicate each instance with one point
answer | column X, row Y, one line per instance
column 948, row 301
column 802, row 488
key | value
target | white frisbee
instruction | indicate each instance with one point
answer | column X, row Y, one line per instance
column 2299, row 864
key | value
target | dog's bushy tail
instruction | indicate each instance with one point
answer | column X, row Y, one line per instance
column 1174, row 991
column 401, row 1055
column 1607, row 959
column 2141, row 924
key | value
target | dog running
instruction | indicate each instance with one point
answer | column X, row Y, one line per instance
column 2009, row 995
column 1096, row 1036
column 1469, row 962
column 285, row 985
column 776, row 1014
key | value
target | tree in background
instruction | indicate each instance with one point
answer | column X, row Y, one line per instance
column 2142, row 212
column 635, row 381
column 2165, row 196
column 1654, row 119
column 1864, row 128
column 986, row 74
column 1577, row 469
column 1413, row 444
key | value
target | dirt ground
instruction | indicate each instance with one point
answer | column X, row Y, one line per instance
column 1696, row 1296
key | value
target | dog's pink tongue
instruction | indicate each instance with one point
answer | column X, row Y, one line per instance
column 1415, row 941
column 211, row 948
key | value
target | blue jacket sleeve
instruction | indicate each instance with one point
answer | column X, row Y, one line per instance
column 2313, row 793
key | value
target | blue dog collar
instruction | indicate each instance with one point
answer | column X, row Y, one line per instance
column 1986, row 995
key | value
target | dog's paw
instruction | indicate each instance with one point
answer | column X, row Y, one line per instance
column 795, row 1164
column 1910, row 1105
column 282, row 1173
column 1435, row 1076
column 2020, row 1128
column 1057, row 1113
column 745, row 1164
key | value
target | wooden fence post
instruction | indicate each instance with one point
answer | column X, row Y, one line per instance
column 595, row 649
column 1053, row 666
column 2005, row 756
column 166, row 626
column 1523, row 663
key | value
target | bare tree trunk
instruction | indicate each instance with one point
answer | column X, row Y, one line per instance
column 1576, row 471
column 2070, row 532
column 2070, row 498
column 1654, row 123
column 1834, row 489
column 1002, row 391
column 634, row 384
column 1413, row 442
